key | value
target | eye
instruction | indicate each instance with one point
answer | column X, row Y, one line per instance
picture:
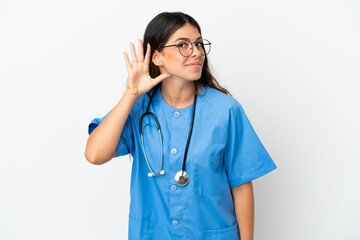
column 183, row 45
column 198, row 44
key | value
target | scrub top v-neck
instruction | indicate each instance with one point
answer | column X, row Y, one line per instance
column 224, row 152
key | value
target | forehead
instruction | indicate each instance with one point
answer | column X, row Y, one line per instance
column 186, row 31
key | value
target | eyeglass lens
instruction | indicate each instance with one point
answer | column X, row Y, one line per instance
column 186, row 47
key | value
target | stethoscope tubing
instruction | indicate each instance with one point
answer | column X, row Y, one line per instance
column 147, row 112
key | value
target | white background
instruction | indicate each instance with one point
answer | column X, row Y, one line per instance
column 293, row 65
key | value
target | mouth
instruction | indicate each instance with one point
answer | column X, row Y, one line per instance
column 194, row 65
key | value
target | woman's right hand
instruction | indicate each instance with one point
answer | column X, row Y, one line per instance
column 139, row 80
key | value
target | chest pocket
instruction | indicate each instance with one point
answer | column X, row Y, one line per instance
column 210, row 178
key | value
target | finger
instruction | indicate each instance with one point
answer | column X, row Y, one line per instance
column 133, row 54
column 141, row 51
column 127, row 61
column 147, row 55
column 160, row 78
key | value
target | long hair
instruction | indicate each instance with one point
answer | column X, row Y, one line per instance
column 159, row 30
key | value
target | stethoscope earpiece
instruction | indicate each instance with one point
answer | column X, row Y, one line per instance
column 150, row 174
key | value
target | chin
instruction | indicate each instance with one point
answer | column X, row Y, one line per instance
column 195, row 77
column 188, row 76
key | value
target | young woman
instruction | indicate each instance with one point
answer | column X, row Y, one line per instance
column 194, row 150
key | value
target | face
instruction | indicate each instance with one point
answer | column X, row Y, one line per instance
column 172, row 62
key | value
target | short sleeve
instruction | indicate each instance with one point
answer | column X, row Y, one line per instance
column 245, row 157
column 126, row 142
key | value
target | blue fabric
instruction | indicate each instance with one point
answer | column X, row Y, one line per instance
column 224, row 152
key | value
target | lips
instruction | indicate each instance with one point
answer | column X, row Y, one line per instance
column 194, row 64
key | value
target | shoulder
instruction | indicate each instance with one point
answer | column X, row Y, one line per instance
column 219, row 102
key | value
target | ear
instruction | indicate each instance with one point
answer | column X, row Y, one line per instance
column 156, row 58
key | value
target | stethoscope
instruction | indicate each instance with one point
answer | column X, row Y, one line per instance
column 181, row 177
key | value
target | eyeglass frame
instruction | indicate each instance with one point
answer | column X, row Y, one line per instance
column 192, row 47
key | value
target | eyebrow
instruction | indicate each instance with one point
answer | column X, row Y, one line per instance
column 187, row 39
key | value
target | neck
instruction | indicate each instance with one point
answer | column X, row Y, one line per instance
column 177, row 93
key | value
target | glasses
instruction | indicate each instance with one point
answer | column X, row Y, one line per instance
column 186, row 48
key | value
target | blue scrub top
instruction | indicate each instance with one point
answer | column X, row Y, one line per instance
column 224, row 152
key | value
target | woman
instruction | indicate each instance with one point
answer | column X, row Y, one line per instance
column 195, row 154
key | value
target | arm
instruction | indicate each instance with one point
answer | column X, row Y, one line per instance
column 102, row 142
column 243, row 197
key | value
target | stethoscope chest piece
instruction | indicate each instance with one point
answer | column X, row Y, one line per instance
column 182, row 178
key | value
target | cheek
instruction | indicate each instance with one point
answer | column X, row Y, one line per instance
column 175, row 60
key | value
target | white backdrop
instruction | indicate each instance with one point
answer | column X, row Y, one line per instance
column 293, row 65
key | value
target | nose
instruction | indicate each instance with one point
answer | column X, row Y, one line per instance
column 196, row 51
